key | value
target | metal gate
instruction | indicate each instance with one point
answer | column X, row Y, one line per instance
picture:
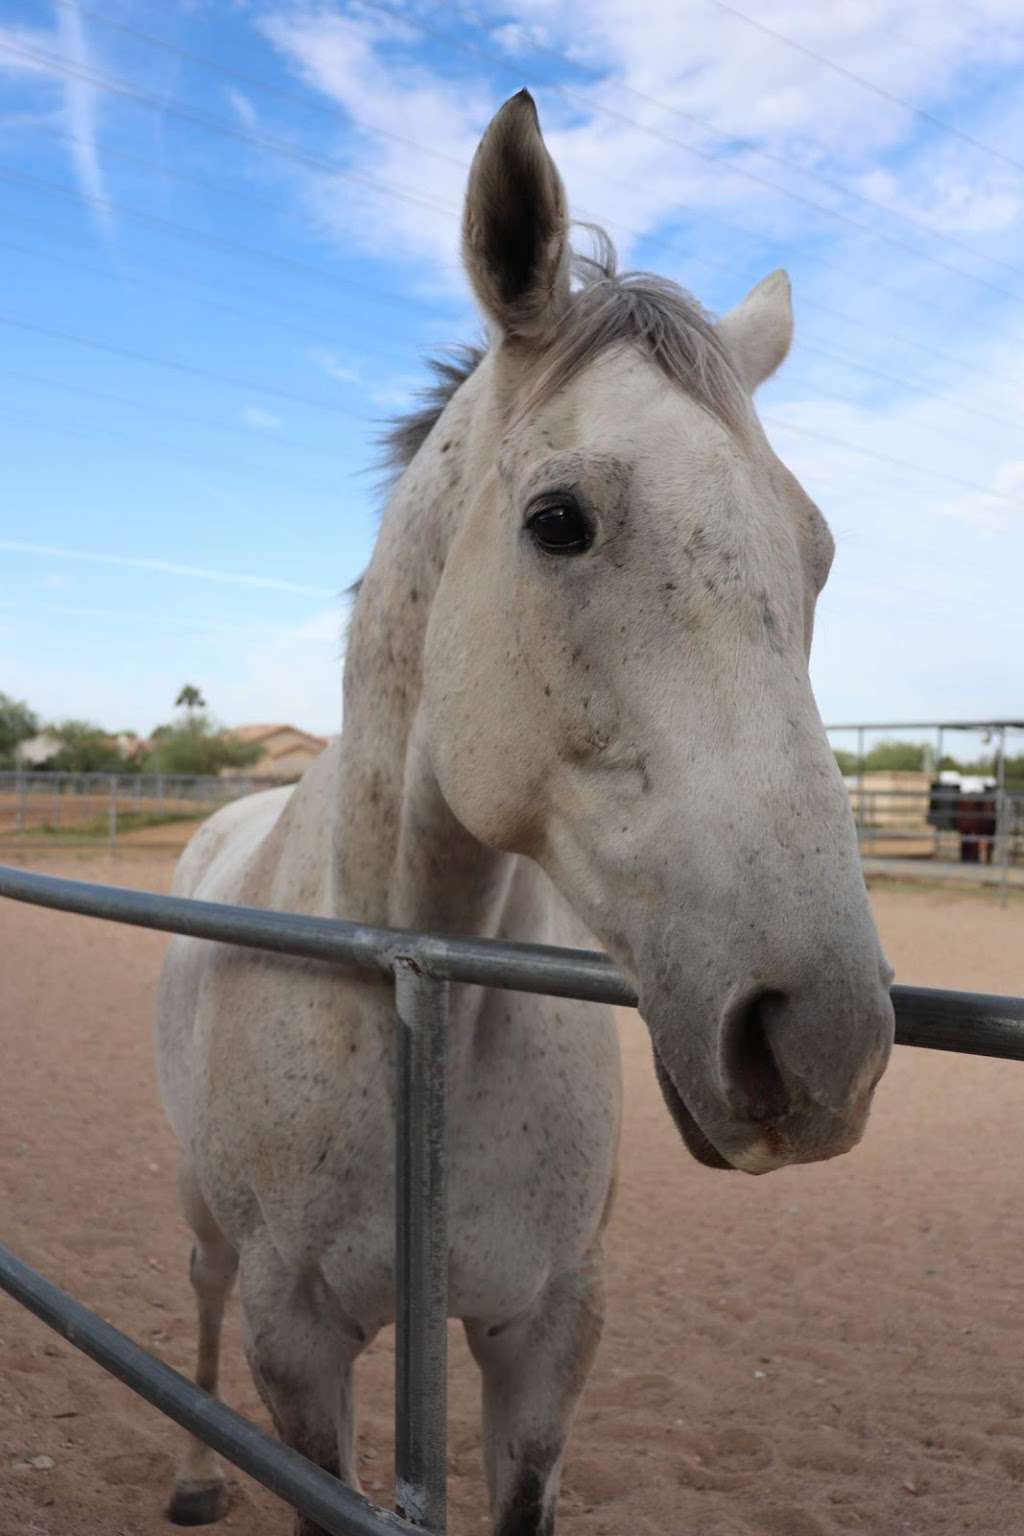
column 422, row 966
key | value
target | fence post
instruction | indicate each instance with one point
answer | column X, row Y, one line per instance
column 112, row 814
column 421, row 1245
column 22, row 793
column 1004, row 821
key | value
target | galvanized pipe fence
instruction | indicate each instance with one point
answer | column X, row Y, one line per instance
column 422, row 965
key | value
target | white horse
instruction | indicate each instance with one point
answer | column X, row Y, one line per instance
column 576, row 703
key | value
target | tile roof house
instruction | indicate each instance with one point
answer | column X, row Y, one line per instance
column 286, row 752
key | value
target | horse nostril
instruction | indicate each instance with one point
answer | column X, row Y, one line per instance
column 753, row 1078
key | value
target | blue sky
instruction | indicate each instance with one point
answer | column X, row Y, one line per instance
column 230, row 232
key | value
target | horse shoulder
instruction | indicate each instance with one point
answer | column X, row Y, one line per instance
column 233, row 857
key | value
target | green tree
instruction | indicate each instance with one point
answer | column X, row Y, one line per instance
column 87, row 748
column 1014, row 771
column 847, row 761
column 17, row 724
column 896, row 756
column 197, row 745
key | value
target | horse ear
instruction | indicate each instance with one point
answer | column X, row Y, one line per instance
column 758, row 332
column 515, row 229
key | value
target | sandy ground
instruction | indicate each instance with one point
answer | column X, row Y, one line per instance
column 833, row 1349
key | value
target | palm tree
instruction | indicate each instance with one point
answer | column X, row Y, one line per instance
column 191, row 700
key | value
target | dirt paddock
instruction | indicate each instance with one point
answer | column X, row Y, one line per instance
column 832, row 1349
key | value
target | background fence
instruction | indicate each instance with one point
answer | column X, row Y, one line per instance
column 986, row 828
column 43, row 809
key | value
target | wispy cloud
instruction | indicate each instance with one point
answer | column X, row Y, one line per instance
column 80, row 109
column 341, row 372
column 242, row 107
column 263, row 421
column 676, row 120
column 80, row 98
column 164, row 567
column 120, row 616
column 397, row 393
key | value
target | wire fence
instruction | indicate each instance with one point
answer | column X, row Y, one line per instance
column 46, row 809
column 422, row 966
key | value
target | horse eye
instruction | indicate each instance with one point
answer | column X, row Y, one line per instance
column 560, row 528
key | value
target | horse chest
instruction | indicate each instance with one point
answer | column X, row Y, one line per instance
column 533, row 1130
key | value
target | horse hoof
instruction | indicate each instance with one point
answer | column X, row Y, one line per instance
column 198, row 1503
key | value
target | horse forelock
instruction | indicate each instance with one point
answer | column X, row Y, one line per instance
column 607, row 308
column 654, row 314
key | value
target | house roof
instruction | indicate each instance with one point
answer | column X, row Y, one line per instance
column 260, row 733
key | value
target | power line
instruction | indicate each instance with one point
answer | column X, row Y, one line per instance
column 310, row 103
column 321, row 405
column 824, row 309
column 278, row 440
column 733, row 169
column 252, row 386
column 253, row 317
column 192, row 275
column 211, row 125
column 217, row 242
column 205, row 183
column 89, row 436
column 868, row 85
column 888, row 458
column 260, row 83
column 948, row 434
column 205, row 373
column 782, row 160
column 912, row 385
column 251, row 434
column 182, row 453
column 62, row 66
column 916, row 388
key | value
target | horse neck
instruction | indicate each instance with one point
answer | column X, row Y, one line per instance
column 399, row 855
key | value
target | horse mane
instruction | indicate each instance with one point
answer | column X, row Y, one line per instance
column 403, row 439
column 607, row 307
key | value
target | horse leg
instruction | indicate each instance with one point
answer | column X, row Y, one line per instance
column 200, row 1493
column 301, row 1354
column 534, row 1370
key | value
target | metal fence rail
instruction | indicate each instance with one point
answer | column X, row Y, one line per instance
column 307, row 1488
column 422, row 965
